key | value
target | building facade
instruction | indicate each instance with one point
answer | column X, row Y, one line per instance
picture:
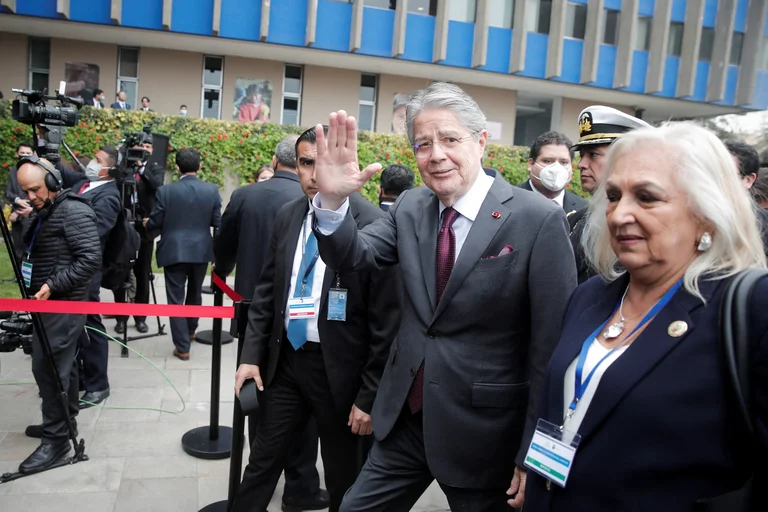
column 531, row 64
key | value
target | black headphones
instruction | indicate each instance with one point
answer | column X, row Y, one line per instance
column 53, row 181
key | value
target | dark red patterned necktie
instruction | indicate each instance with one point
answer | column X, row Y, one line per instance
column 446, row 254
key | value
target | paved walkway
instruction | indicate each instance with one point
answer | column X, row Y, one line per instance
column 136, row 460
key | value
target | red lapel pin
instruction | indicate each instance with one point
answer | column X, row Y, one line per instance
column 496, row 215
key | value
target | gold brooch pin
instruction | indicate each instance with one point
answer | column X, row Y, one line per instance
column 677, row 329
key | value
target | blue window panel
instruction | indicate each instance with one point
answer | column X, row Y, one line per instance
column 671, row 69
column 639, row 72
column 42, row 8
column 585, row 2
column 535, row 55
column 378, row 31
column 761, row 91
column 710, row 13
column 192, row 17
column 334, row 25
column 645, row 7
column 240, row 20
column 288, row 22
column 731, row 80
column 606, row 66
column 678, row 10
column 740, row 22
column 573, row 49
column 700, row 84
column 143, row 14
column 461, row 38
column 614, row 5
column 90, row 11
column 499, row 46
column 419, row 38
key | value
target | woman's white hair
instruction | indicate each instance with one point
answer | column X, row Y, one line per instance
column 707, row 175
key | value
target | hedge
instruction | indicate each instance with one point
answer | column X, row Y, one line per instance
column 232, row 147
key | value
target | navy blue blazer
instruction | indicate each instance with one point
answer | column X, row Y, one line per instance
column 659, row 433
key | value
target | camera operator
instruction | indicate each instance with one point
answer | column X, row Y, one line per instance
column 62, row 255
column 149, row 178
column 19, row 217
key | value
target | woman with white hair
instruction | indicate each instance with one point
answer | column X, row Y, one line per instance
column 635, row 411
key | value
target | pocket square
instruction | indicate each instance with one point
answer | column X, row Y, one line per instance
column 506, row 250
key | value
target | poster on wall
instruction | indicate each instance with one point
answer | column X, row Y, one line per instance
column 494, row 130
column 398, row 112
column 82, row 79
column 253, row 100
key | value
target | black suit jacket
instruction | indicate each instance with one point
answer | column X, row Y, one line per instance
column 185, row 212
column 659, row 433
column 246, row 228
column 117, row 105
column 571, row 202
column 354, row 351
column 105, row 201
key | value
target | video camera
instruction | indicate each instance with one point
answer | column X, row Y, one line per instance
column 51, row 119
column 17, row 332
column 131, row 156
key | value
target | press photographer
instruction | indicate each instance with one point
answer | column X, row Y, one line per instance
column 19, row 217
column 62, row 255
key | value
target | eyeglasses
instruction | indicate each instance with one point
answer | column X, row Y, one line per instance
column 423, row 149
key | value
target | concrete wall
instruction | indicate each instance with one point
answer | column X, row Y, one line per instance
column 171, row 78
column 102, row 55
column 498, row 105
column 14, row 62
column 569, row 120
column 327, row 90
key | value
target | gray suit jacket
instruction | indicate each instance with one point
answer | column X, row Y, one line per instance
column 184, row 213
column 486, row 345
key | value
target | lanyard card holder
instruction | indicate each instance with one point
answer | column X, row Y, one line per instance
column 337, row 302
column 552, row 451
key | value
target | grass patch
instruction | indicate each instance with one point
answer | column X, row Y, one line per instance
column 8, row 289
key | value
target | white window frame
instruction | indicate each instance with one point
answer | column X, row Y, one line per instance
column 33, row 69
column 367, row 102
column 204, row 86
column 292, row 95
column 132, row 79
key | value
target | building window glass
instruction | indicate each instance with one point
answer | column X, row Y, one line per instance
column 501, row 13
column 39, row 62
column 462, row 10
column 675, row 43
column 292, row 95
column 706, row 44
column 381, row 4
column 576, row 20
column 213, row 74
column 736, row 46
column 611, row 27
column 367, row 111
column 643, row 37
column 537, row 15
column 128, row 74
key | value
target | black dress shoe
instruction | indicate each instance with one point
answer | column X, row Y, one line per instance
column 142, row 327
column 120, row 327
column 94, row 398
column 36, row 431
column 318, row 501
column 44, row 457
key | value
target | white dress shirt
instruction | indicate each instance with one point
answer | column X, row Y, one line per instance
column 468, row 207
column 96, row 103
column 559, row 198
column 313, row 334
column 95, row 184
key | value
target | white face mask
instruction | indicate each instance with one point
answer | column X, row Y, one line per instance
column 183, row 112
column 92, row 171
column 554, row 177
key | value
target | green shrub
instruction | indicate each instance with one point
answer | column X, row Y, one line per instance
column 231, row 147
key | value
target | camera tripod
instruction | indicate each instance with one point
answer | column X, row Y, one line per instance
column 160, row 326
column 48, row 353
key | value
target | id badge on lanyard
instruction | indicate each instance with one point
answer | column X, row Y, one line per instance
column 337, row 302
column 26, row 264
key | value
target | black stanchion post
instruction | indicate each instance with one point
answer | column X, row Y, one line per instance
column 211, row 442
column 238, row 424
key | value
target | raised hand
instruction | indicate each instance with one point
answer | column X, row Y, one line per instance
column 337, row 171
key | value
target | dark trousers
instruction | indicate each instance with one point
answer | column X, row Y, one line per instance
column 176, row 277
column 17, row 235
column 298, row 391
column 94, row 346
column 141, row 270
column 63, row 331
column 301, row 476
column 396, row 474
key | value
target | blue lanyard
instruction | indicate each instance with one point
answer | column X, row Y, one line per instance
column 309, row 268
column 581, row 386
column 34, row 235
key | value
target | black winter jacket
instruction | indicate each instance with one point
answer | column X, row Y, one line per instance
column 66, row 252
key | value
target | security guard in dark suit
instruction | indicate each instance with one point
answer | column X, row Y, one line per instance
column 599, row 127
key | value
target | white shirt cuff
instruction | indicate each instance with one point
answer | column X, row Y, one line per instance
column 329, row 221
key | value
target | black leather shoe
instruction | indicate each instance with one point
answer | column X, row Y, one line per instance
column 318, row 501
column 120, row 327
column 142, row 327
column 94, row 397
column 44, row 457
column 36, row 431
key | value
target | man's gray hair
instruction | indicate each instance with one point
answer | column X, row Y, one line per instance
column 444, row 95
column 286, row 152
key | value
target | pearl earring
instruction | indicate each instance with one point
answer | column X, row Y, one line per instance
column 705, row 242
